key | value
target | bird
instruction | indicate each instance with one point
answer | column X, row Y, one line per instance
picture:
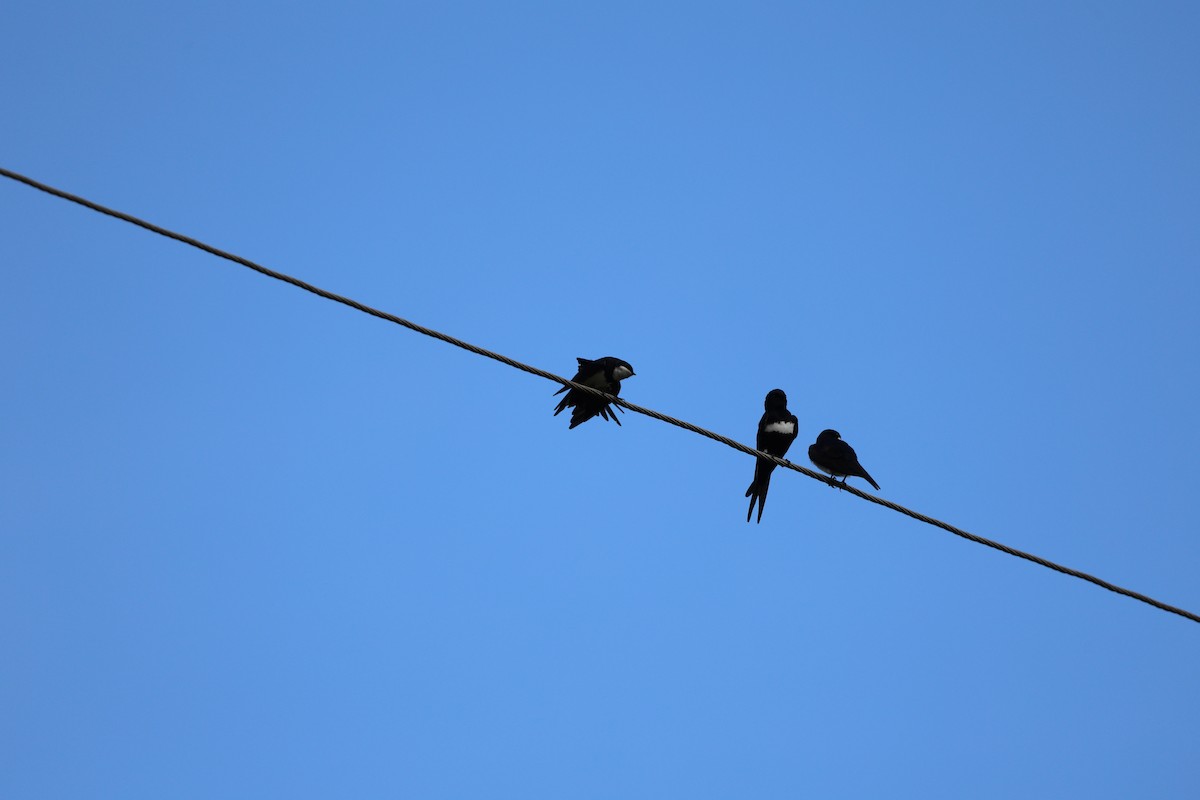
column 604, row 374
column 832, row 455
column 776, row 431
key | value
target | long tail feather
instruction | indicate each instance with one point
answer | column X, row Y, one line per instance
column 870, row 480
column 758, row 494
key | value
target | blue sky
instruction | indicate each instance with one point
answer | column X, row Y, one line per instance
column 256, row 544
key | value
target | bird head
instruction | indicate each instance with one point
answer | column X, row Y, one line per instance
column 776, row 400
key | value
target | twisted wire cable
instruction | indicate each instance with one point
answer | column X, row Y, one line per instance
column 503, row 359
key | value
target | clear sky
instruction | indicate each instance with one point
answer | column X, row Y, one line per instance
column 256, row 544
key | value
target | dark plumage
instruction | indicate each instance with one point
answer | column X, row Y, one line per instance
column 604, row 374
column 776, row 431
column 834, row 456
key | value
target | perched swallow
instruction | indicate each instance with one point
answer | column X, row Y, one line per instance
column 604, row 374
column 776, row 431
column 834, row 456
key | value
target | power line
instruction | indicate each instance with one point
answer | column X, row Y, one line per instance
column 308, row 287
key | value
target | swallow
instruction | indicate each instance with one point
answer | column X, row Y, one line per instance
column 776, row 431
column 604, row 374
column 830, row 454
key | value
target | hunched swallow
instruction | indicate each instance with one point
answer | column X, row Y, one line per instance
column 604, row 374
column 776, row 431
column 834, row 456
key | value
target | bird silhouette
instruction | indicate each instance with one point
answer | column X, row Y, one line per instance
column 834, row 456
column 776, row 431
column 604, row 374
